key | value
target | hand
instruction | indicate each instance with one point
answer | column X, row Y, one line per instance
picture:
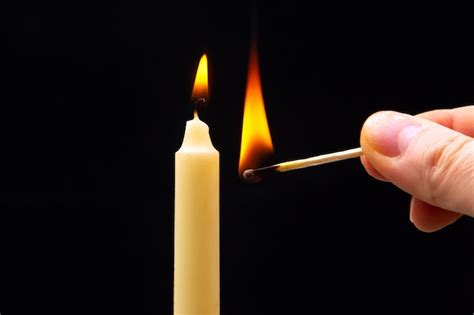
column 430, row 156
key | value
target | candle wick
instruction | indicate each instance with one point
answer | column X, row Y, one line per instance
column 199, row 101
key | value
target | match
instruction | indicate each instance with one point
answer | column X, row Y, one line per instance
column 255, row 175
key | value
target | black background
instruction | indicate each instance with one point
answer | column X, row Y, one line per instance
column 93, row 102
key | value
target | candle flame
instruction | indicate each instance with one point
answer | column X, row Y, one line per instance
column 200, row 89
column 256, row 145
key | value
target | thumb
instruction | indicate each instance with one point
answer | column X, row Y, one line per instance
column 431, row 162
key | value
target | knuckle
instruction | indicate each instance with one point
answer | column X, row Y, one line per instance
column 448, row 163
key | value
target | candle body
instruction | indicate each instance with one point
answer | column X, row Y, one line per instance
column 196, row 247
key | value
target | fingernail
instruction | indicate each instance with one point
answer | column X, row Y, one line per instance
column 389, row 133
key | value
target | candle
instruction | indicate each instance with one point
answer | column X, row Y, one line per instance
column 196, row 247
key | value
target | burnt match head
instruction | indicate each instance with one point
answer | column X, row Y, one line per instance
column 256, row 175
column 250, row 177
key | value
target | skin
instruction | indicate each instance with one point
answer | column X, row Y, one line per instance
column 432, row 160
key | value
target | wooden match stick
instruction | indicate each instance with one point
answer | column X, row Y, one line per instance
column 255, row 175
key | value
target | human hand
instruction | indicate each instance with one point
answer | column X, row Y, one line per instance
column 430, row 156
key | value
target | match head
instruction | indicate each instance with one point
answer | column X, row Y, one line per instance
column 257, row 174
column 250, row 177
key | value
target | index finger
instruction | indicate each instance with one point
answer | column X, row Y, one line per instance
column 460, row 119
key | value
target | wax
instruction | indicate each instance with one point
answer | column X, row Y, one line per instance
column 196, row 247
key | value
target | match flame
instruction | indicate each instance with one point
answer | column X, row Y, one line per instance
column 256, row 146
column 200, row 89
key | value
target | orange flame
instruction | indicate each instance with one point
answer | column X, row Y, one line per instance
column 256, row 145
column 200, row 89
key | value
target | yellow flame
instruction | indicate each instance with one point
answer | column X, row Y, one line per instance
column 200, row 89
column 256, row 145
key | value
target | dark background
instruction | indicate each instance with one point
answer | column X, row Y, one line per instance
column 93, row 103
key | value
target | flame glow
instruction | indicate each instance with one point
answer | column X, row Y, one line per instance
column 256, row 145
column 200, row 89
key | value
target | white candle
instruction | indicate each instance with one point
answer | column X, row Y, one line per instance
column 196, row 247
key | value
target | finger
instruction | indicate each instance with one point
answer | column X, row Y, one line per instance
column 371, row 170
column 460, row 119
column 431, row 162
column 429, row 218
